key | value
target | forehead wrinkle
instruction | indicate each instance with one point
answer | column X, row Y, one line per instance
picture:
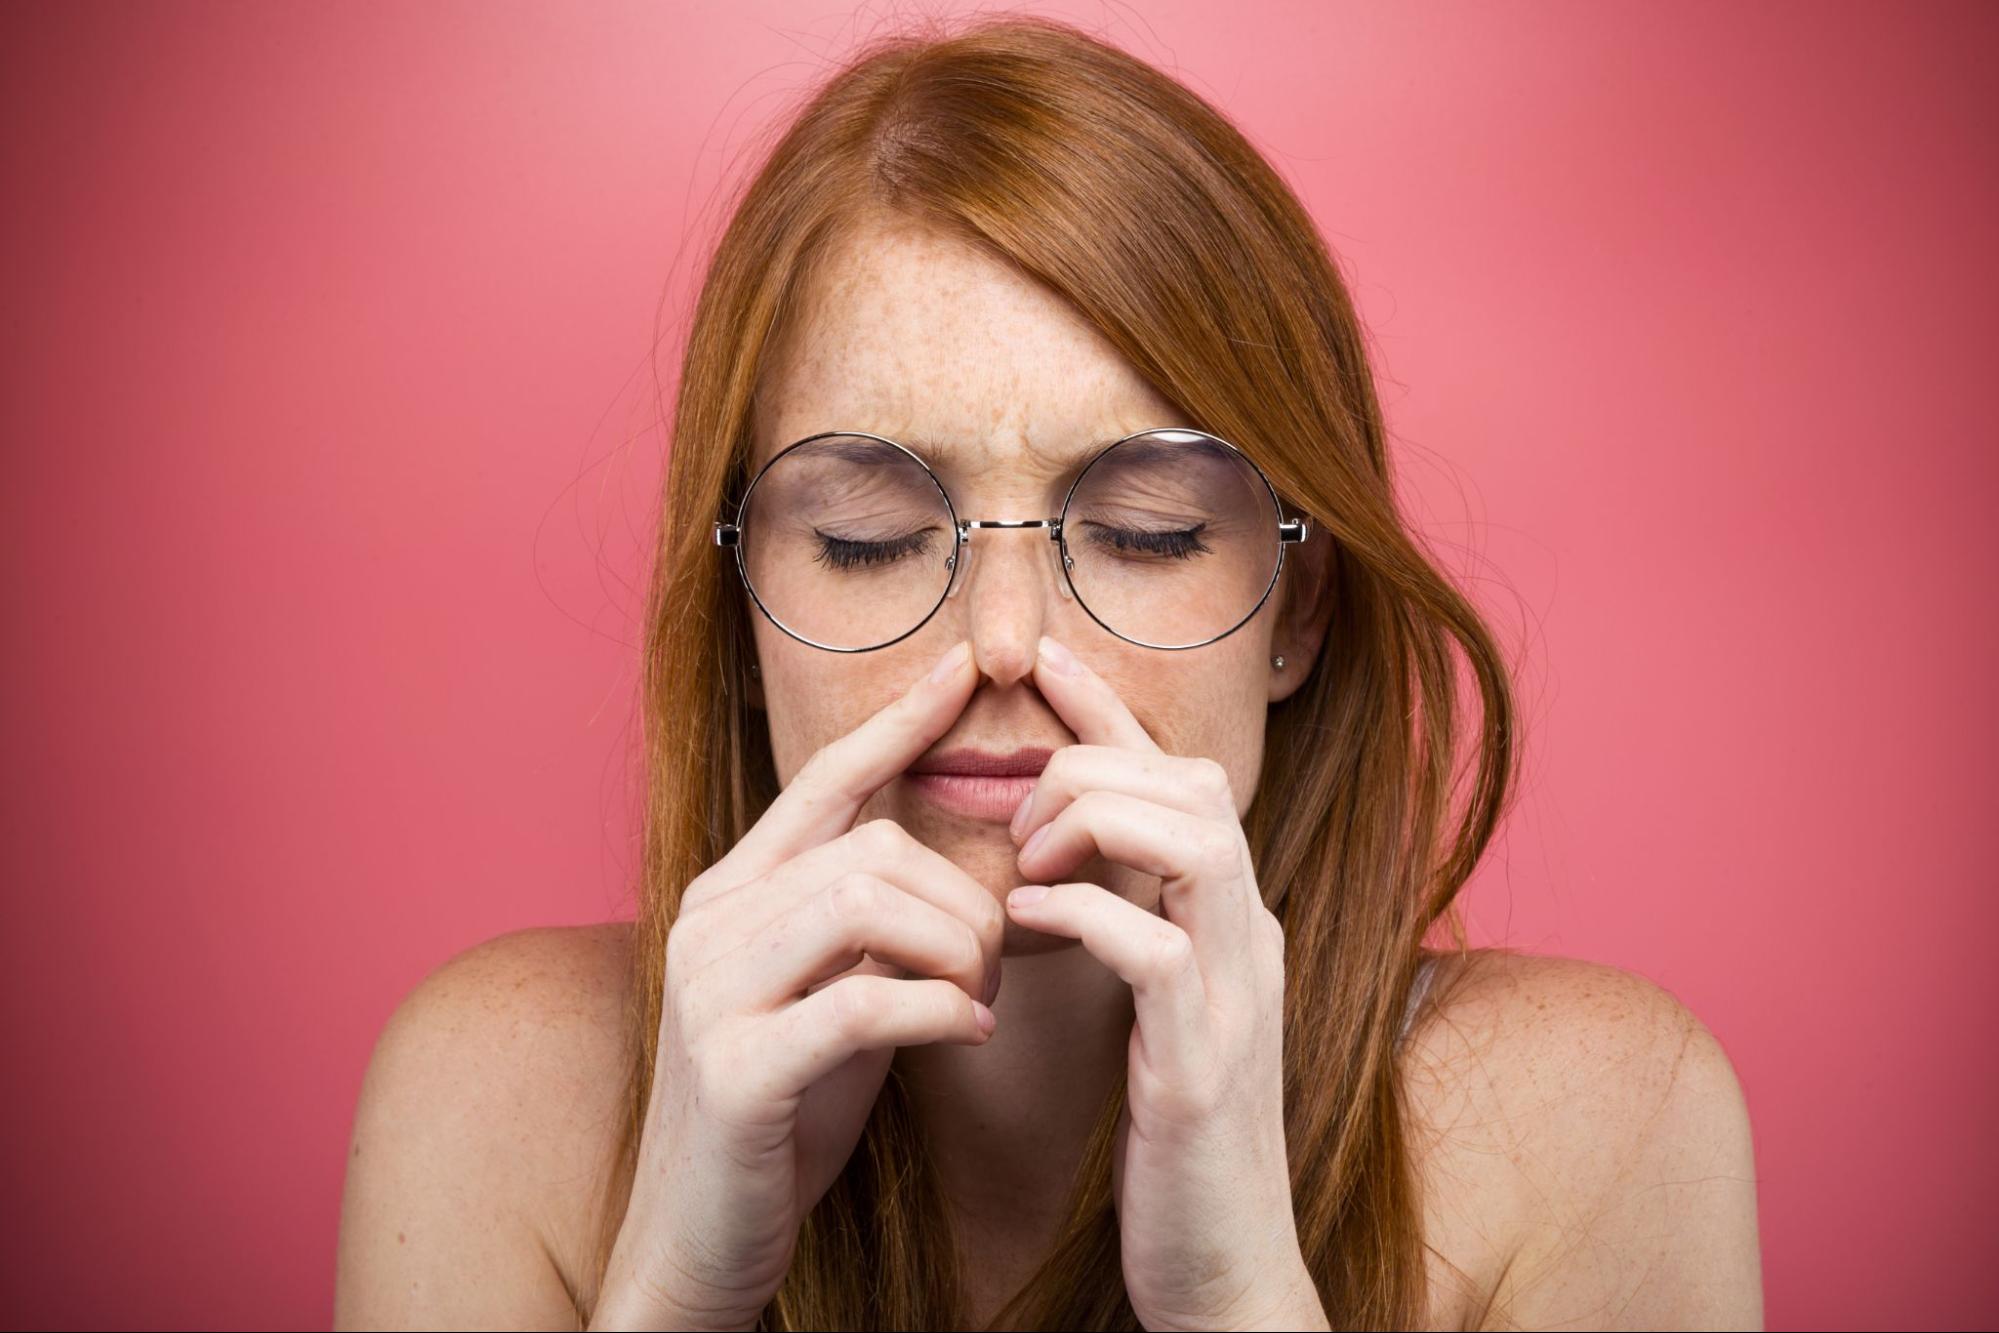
column 905, row 326
column 946, row 455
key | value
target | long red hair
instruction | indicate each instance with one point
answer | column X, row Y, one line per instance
column 1145, row 209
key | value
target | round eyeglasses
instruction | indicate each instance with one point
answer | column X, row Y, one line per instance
column 1168, row 538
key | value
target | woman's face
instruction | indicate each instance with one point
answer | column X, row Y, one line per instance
column 918, row 337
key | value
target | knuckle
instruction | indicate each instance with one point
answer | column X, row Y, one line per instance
column 1212, row 778
column 849, row 1004
column 1092, row 803
column 1218, row 849
column 852, row 897
column 943, row 1002
column 1172, row 951
column 879, row 838
column 993, row 931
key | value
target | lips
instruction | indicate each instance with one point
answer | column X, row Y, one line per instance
column 979, row 784
column 1026, row 762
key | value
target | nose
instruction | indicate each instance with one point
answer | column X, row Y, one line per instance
column 1001, row 587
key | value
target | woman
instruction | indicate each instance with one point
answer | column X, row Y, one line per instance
column 1004, row 276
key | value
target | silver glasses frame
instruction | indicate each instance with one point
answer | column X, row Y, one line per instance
column 1289, row 532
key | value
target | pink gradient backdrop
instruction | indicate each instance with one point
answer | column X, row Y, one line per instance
column 326, row 403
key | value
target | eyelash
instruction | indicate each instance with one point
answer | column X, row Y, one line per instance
column 844, row 554
column 1179, row 545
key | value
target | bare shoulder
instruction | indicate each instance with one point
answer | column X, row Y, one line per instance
column 482, row 1133
column 1584, row 1151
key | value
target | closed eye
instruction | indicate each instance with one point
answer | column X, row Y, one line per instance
column 1179, row 545
column 843, row 553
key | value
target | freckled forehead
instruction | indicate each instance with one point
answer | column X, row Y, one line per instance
column 921, row 337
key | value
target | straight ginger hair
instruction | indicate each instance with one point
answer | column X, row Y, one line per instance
column 1140, row 204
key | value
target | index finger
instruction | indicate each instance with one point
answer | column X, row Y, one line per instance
column 827, row 793
column 1086, row 702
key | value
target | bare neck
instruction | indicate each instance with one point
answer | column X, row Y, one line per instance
column 1006, row 1122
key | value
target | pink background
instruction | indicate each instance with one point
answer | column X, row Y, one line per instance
column 326, row 406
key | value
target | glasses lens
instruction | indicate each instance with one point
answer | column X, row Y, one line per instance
column 845, row 542
column 1172, row 538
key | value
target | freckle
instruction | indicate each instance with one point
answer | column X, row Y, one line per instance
column 357, row 1150
column 399, row 1238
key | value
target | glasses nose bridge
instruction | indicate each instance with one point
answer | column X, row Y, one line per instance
column 961, row 560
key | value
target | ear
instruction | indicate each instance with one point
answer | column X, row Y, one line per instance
column 1305, row 609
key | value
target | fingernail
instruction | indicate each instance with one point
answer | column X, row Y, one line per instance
column 949, row 663
column 985, row 1017
column 1028, row 896
column 1059, row 659
column 1040, row 836
column 1019, row 816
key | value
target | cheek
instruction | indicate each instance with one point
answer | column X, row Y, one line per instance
column 1217, row 711
column 808, row 707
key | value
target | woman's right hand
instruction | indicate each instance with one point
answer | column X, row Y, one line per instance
column 786, row 995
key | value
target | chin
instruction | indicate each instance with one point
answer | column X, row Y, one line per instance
column 983, row 851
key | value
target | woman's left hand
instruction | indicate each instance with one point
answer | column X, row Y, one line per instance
column 1199, row 1173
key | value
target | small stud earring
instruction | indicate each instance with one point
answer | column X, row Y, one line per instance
column 755, row 670
column 1277, row 662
